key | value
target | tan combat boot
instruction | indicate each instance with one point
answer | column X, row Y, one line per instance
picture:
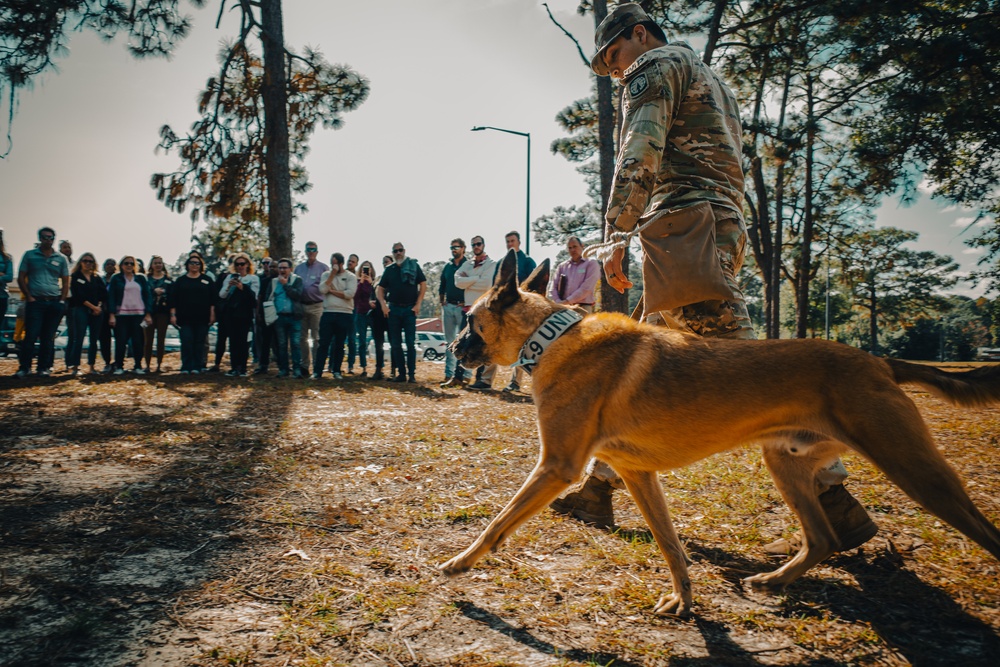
column 850, row 521
column 591, row 504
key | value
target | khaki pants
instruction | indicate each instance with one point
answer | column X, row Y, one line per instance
column 712, row 318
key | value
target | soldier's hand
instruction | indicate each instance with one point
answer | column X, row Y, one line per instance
column 613, row 270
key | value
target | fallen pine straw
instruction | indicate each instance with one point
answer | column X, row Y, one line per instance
column 148, row 521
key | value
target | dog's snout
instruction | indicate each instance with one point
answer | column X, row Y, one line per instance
column 460, row 345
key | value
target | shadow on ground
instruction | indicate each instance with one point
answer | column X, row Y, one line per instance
column 106, row 554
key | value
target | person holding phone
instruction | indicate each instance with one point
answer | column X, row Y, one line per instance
column 338, row 286
column 159, row 284
column 239, row 294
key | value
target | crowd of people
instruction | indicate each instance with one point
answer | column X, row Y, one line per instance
column 306, row 318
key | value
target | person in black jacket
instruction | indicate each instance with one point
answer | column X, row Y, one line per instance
column 130, row 305
column 239, row 294
column 87, row 297
column 264, row 338
column 192, row 311
column 107, row 349
column 159, row 287
column 222, row 328
column 379, row 324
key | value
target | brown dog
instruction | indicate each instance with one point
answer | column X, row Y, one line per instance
column 646, row 399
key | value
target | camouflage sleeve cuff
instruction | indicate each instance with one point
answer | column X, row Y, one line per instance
column 613, row 229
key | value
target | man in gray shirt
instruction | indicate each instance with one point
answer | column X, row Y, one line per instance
column 310, row 271
column 44, row 281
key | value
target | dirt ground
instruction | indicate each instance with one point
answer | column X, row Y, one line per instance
column 175, row 520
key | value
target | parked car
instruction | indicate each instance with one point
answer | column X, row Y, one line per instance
column 9, row 347
column 430, row 345
column 7, row 344
column 172, row 341
column 433, row 343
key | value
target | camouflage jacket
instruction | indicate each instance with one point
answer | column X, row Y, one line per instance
column 681, row 139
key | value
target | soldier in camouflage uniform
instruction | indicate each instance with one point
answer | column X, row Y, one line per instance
column 679, row 179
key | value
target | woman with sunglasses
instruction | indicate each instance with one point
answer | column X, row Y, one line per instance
column 192, row 311
column 239, row 297
column 159, row 286
column 130, row 304
column 87, row 296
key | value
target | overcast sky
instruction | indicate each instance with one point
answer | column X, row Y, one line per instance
column 404, row 167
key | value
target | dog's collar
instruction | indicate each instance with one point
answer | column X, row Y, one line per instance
column 552, row 327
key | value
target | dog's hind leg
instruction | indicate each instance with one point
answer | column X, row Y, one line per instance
column 648, row 494
column 548, row 479
column 897, row 440
column 793, row 462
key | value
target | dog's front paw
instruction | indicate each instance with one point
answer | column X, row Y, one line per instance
column 454, row 567
column 770, row 582
column 673, row 604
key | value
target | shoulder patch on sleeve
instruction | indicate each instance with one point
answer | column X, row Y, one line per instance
column 637, row 85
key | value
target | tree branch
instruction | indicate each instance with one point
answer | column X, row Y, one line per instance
column 586, row 61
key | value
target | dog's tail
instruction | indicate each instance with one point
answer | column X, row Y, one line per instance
column 978, row 387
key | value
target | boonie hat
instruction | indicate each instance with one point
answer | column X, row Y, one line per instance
column 618, row 20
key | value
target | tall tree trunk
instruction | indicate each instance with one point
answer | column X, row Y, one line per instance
column 774, row 324
column 274, row 92
column 611, row 300
column 763, row 247
column 805, row 263
column 759, row 230
column 873, row 321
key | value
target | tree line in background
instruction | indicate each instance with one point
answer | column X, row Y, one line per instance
column 845, row 102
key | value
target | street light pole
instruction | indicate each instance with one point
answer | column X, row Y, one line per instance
column 527, row 209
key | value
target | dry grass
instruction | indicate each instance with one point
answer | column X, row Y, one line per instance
column 192, row 521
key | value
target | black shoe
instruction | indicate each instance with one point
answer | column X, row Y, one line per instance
column 378, row 375
column 848, row 518
column 260, row 371
column 411, row 379
column 398, row 378
column 479, row 385
column 591, row 504
column 213, row 369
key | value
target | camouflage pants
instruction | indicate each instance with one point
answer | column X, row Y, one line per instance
column 717, row 319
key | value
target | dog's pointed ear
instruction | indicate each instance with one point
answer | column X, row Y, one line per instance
column 538, row 281
column 505, row 285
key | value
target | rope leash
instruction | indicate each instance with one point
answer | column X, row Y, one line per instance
column 603, row 251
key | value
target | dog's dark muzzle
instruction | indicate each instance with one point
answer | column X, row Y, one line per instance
column 469, row 349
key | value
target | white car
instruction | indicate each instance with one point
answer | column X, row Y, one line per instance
column 431, row 345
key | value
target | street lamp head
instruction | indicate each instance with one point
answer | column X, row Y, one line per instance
column 477, row 129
